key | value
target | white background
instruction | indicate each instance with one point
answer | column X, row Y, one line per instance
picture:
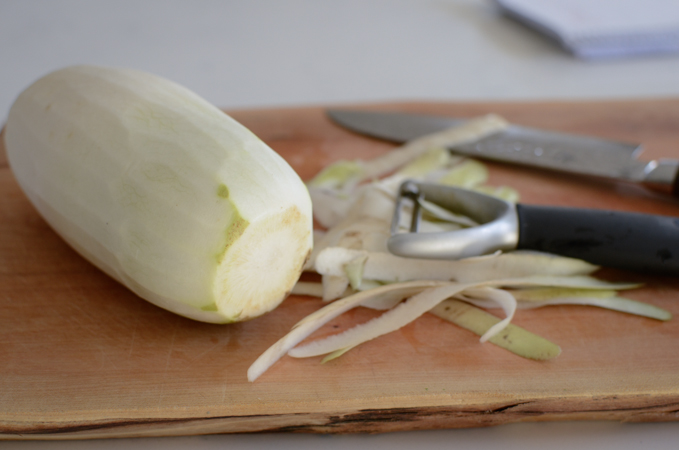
column 268, row 53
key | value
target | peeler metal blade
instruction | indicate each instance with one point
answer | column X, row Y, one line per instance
column 497, row 220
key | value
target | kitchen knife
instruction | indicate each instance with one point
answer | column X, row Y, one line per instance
column 527, row 146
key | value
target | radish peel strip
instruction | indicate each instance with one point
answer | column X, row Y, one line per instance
column 411, row 309
column 319, row 318
column 308, row 288
column 504, row 299
column 512, row 338
column 387, row 267
column 615, row 303
column 471, row 131
column 395, row 318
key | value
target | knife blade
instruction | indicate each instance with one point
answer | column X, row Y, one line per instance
column 562, row 152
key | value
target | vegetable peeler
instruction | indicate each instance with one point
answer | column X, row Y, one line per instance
column 623, row 240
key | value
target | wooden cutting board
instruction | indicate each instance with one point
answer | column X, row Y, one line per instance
column 82, row 357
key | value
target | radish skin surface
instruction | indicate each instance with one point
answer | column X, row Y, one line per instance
column 161, row 190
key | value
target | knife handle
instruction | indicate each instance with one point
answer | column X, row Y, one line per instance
column 633, row 241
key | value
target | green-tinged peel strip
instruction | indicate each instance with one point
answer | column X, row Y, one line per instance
column 338, row 175
column 614, row 303
column 505, row 193
column 513, row 338
column 467, row 174
column 354, row 271
column 335, row 354
column 433, row 159
column 630, row 306
column 546, row 293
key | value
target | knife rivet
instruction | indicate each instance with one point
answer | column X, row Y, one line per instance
column 538, row 151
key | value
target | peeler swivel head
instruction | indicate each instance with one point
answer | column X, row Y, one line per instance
column 497, row 229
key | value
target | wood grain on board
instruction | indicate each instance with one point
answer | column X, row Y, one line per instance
column 83, row 357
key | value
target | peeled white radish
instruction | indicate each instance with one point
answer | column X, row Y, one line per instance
column 161, row 190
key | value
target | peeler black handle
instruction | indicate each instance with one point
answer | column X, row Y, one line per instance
column 623, row 240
